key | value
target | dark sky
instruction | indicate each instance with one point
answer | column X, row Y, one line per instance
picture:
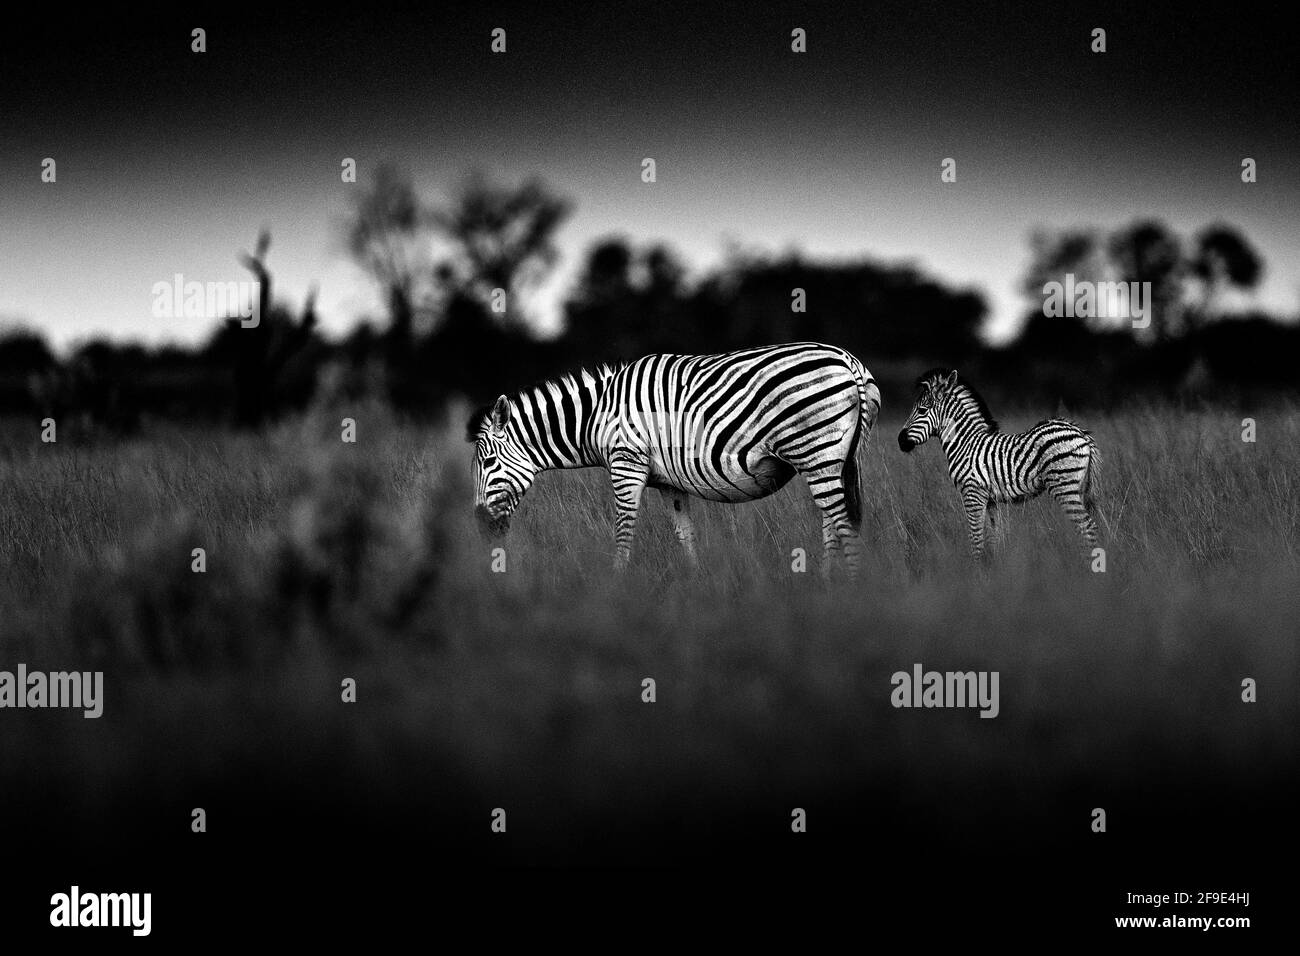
column 169, row 161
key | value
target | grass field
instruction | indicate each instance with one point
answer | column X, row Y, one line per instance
column 522, row 689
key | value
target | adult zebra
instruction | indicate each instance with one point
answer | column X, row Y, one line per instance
column 730, row 427
column 988, row 466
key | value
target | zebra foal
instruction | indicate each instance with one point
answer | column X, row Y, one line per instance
column 989, row 466
column 731, row 427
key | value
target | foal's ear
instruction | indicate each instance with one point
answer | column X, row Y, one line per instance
column 951, row 380
column 500, row 413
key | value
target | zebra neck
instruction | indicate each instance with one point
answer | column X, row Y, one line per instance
column 961, row 431
column 552, row 423
column 548, row 453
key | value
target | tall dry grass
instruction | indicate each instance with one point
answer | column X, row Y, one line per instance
column 328, row 560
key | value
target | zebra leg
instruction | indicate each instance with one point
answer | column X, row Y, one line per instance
column 682, row 523
column 830, row 544
column 629, row 474
column 827, row 486
column 975, row 502
column 1069, row 495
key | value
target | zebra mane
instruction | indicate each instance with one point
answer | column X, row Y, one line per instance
column 931, row 378
column 599, row 373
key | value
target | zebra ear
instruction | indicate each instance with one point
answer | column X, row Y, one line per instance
column 952, row 378
column 500, row 413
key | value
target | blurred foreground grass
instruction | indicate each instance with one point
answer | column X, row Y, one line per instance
column 328, row 560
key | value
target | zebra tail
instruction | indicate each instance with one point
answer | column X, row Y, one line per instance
column 853, row 484
column 869, row 408
column 1094, row 461
column 868, row 411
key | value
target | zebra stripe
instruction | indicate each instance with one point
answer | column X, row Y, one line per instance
column 990, row 466
column 731, row 427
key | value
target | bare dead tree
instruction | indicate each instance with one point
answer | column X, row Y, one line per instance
column 263, row 352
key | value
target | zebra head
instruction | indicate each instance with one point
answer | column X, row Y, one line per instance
column 503, row 470
column 927, row 414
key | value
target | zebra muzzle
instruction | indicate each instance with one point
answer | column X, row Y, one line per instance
column 493, row 525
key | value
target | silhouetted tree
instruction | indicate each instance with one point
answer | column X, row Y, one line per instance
column 23, row 351
column 1147, row 251
column 608, row 273
column 28, row 370
column 629, row 302
column 1076, row 252
column 1223, row 258
column 386, row 235
column 261, row 356
column 501, row 237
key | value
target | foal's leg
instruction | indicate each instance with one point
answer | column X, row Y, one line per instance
column 1069, row 495
column 975, row 502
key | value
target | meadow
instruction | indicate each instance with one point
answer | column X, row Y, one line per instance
column 522, row 689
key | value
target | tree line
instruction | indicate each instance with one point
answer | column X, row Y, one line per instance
column 459, row 280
